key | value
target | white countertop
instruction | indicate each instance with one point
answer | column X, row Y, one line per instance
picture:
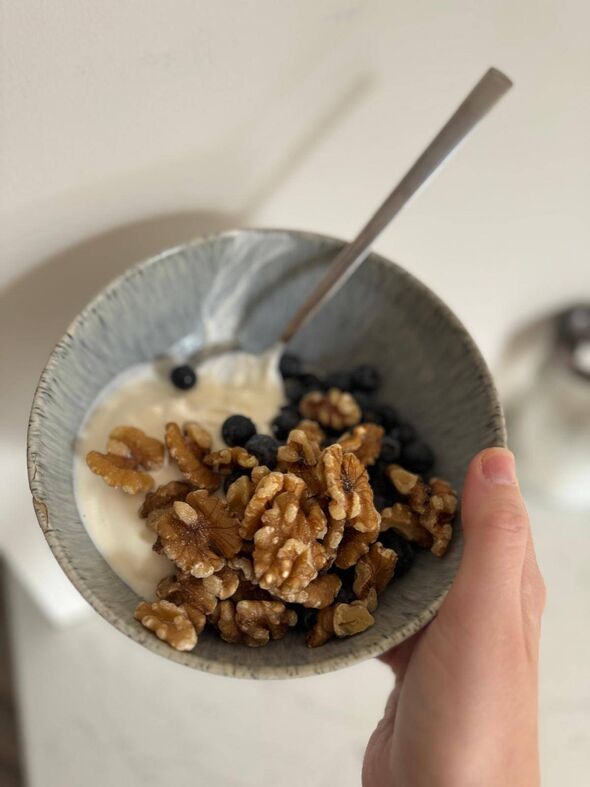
column 127, row 132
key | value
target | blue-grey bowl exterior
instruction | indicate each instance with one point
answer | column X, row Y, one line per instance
column 432, row 373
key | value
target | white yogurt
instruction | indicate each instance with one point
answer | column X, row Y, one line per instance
column 232, row 383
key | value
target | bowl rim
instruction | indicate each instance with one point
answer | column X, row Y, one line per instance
column 127, row 627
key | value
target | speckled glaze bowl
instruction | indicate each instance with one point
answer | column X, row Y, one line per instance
column 251, row 281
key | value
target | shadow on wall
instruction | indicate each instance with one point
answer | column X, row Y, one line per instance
column 36, row 309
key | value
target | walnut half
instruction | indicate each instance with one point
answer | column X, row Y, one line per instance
column 252, row 623
column 335, row 409
column 164, row 496
column 374, row 571
column 349, row 490
column 129, row 452
column 340, row 620
column 187, row 448
column 287, row 555
column 353, row 546
column 262, row 498
column 147, row 452
column 169, row 623
column 364, row 441
column 426, row 517
column 198, row 596
column 226, row 460
column 312, row 429
column 240, row 492
column 300, row 457
column 197, row 535
column 119, row 472
column 320, row 593
column 400, row 518
column 189, row 593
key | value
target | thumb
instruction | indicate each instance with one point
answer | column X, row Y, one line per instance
column 496, row 530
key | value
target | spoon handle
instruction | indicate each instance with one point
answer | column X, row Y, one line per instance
column 490, row 88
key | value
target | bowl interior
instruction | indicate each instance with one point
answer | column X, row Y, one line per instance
column 249, row 282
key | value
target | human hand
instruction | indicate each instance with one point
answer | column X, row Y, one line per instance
column 463, row 712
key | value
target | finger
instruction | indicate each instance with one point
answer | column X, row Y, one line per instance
column 533, row 587
column 398, row 658
column 495, row 525
column 377, row 761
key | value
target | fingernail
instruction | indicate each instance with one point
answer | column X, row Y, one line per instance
column 498, row 467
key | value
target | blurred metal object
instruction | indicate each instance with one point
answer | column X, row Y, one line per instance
column 548, row 414
column 573, row 338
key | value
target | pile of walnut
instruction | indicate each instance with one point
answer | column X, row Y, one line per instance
column 276, row 541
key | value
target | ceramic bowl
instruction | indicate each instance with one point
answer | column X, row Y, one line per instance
column 250, row 281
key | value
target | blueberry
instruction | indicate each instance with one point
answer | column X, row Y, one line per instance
column 340, row 379
column 417, row 457
column 366, row 378
column 385, row 496
column 389, row 417
column 311, row 382
column 346, row 575
column 297, row 387
column 382, row 486
column 237, row 430
column 183, row 377
column 380, row 502
column 406, row 554
column 372, row 415
column 362, row 398
column 307, row 618
column 294, row 390
column 377, row 476
column 403, row 432
column 264, row 447
column 284, row 422
column 290, row 365
column 382, row 414
column 345, row 595
column 390, row 450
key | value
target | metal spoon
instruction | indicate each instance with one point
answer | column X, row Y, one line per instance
column 490, row 88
